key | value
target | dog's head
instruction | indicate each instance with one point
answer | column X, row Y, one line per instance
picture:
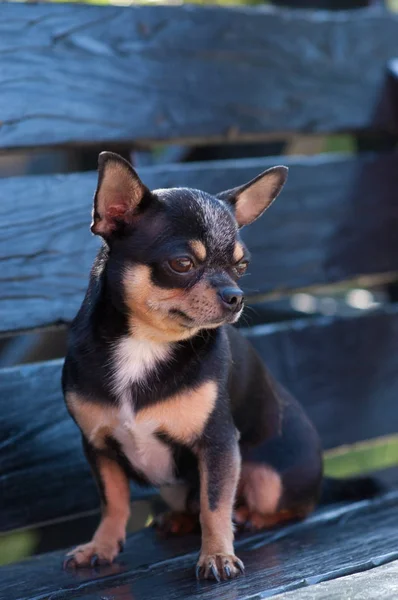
column 175, row 255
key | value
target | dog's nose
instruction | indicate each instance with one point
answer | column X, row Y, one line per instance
column 231, row 297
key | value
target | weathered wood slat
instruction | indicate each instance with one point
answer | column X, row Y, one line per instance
column 336, row 219
column 343, row 371
column 325, row 547
column 88, row 73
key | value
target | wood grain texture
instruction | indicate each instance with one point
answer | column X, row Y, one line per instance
column 92, row 74
column 343, row 371
column 327, row 546
column 336, row 219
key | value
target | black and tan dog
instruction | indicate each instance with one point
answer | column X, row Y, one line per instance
column 164, row 389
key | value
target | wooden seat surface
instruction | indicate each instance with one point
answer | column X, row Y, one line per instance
column 332, row 543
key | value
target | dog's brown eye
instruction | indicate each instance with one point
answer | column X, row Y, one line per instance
column 240, row 268
column 182, row 264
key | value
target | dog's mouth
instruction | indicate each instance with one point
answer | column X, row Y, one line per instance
column 182, row 316
column 190, row 323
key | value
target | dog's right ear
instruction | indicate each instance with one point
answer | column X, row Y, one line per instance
column 119, row 194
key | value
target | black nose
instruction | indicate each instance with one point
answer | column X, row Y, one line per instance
column 232, row 297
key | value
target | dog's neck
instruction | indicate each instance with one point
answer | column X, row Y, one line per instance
column 143, row 330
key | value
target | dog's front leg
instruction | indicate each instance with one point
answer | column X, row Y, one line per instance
column 219, row 467
column 110, row 535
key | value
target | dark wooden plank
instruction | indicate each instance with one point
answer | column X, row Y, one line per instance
column 327, row 546
column 87, row 73
column 336, row 219
column 40, row 576
column 343, row 371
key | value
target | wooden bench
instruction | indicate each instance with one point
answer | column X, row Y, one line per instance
column 123, row 78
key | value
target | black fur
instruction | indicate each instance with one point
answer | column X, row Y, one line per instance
column 350, row 490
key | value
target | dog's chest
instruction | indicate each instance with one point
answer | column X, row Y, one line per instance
column 136, row 361
column 182, row 416
column 141, row 445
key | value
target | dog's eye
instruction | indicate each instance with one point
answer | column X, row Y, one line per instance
column 182, row 264
column 240, row 268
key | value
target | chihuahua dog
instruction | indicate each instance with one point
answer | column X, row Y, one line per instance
column 164, row 389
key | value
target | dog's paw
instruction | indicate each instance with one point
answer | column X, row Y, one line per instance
column 219, row 566
column 247, row 520
column 177, row 523
column 93, row 554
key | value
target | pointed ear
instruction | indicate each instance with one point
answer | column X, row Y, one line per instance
column 250, row 200
column 119, row 193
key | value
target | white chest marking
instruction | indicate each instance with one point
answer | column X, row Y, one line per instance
column 136, row 361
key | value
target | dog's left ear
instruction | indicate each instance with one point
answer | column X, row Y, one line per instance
column 250, row 200
column 120, row 194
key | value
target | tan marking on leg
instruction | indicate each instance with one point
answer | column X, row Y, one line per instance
column 260, row 487
column 217, row 558
column 182, row 417
column 217, row 532
column 96, row 421
column 111, row 532
column 239, row 252
column 199, row 249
